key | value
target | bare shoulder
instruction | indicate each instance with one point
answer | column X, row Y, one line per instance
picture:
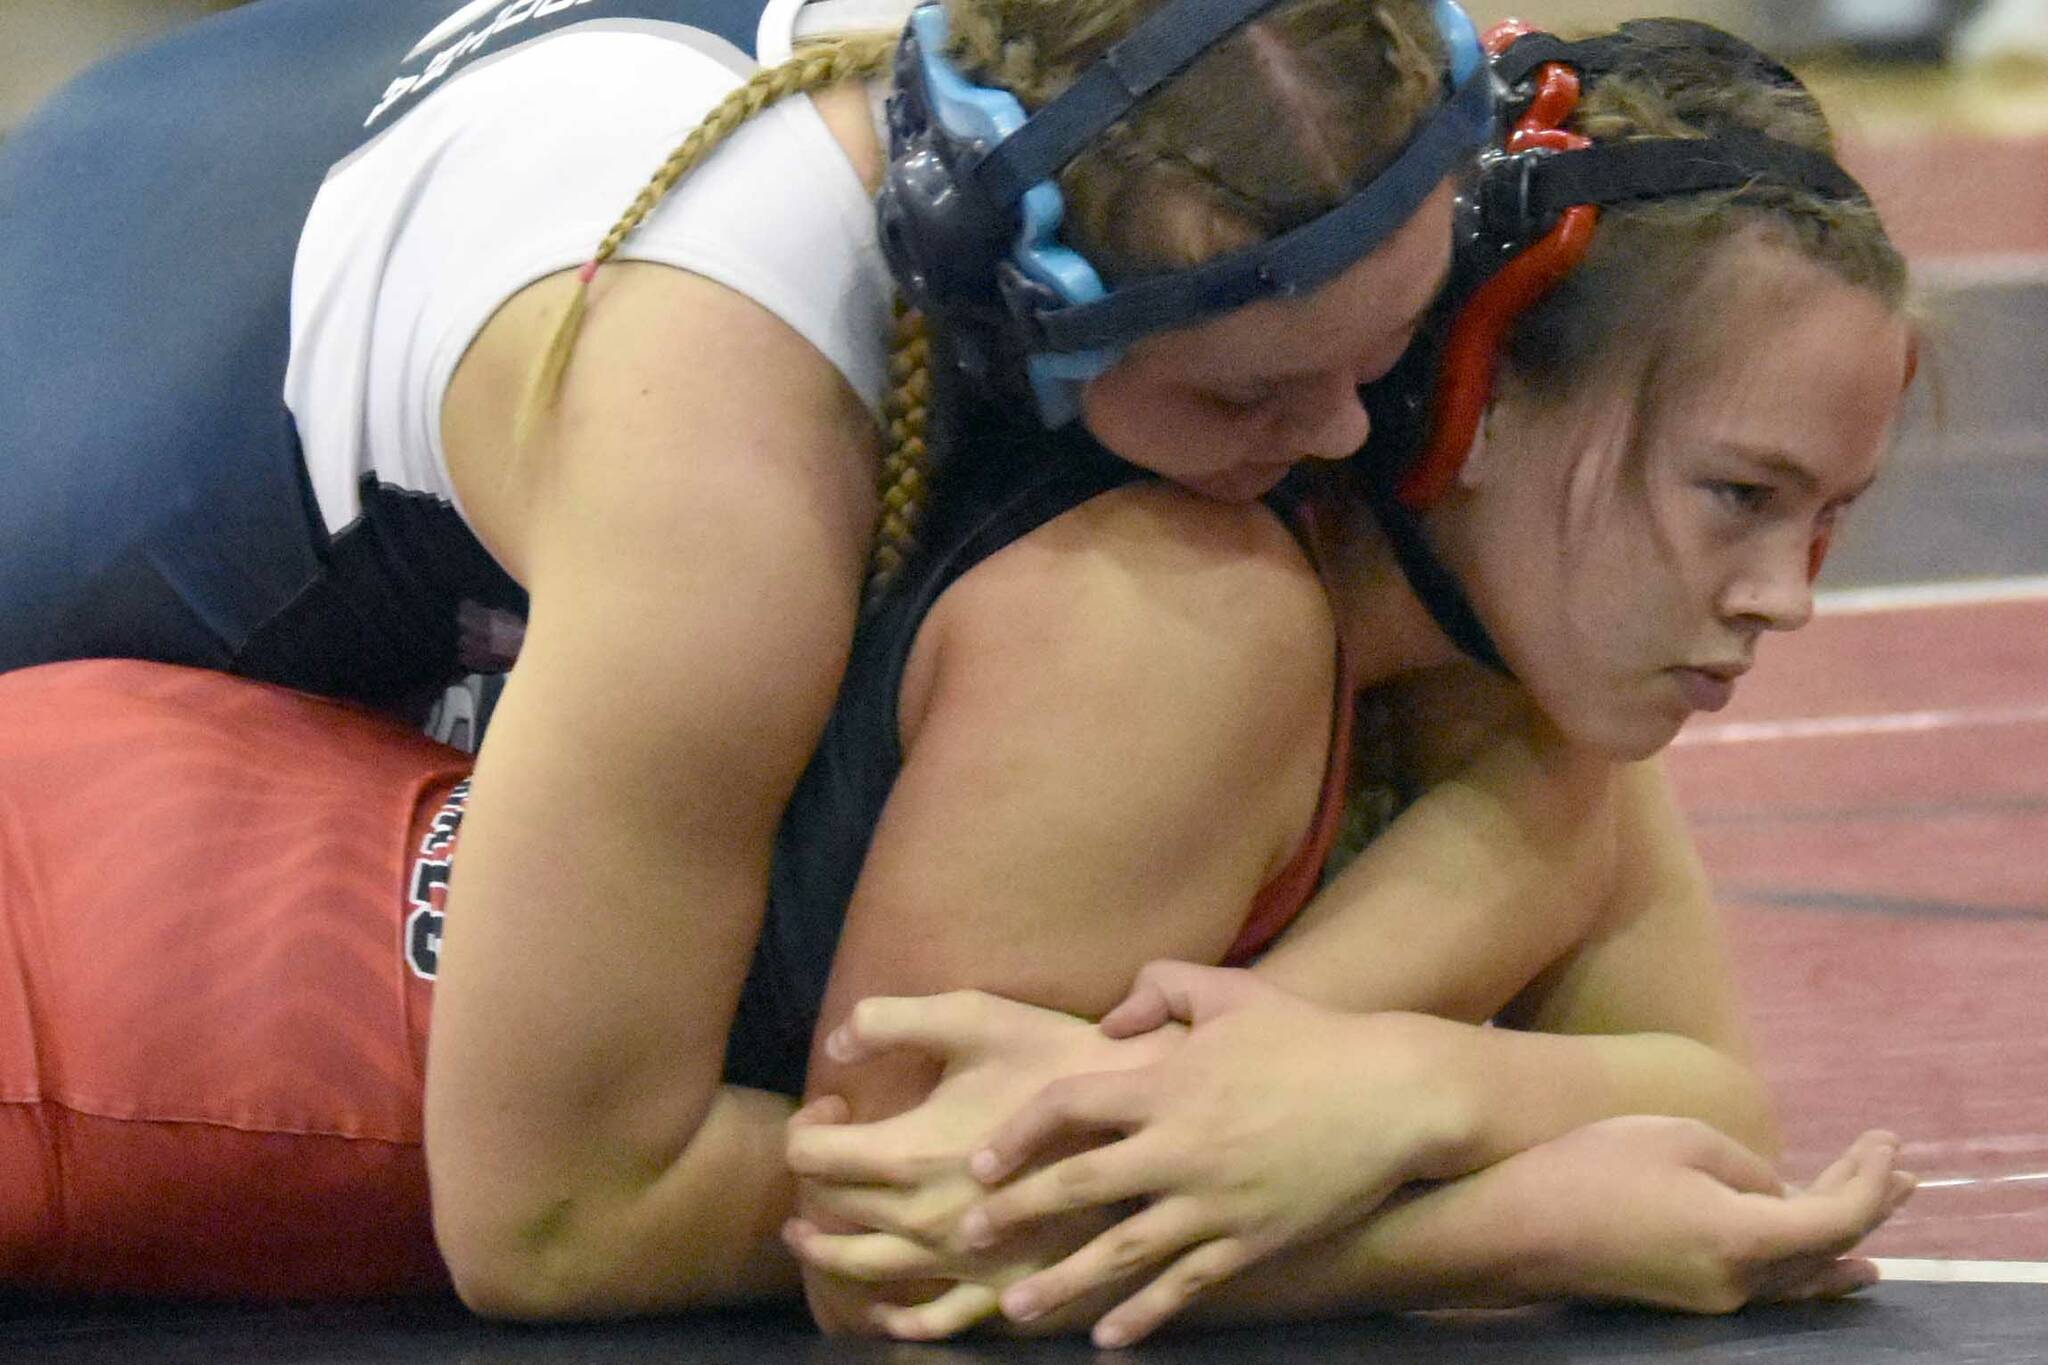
column 1209, row 612
column 678, row 389
column 1229, row 573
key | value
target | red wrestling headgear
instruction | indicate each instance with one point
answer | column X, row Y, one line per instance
column 1527, row 217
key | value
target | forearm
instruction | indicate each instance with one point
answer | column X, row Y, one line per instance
column 1539, row 1086
column 1455, row 1245
column 702, row 1231
column 1487, row 879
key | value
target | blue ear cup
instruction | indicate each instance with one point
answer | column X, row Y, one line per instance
column 961, row 257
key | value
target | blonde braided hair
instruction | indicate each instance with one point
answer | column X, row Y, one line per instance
column 815, row 68
column 906, row 468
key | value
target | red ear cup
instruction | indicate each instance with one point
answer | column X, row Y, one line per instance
column 1817, row 552
column 1472, row 349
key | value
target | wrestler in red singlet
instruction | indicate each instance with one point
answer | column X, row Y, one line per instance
column 209, row 1030
column 220, row 910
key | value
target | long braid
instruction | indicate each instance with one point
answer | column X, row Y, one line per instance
column 906, row 468
column 815, row 68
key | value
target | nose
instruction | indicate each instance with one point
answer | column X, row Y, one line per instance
column 1327, row 419
column 1775, row 591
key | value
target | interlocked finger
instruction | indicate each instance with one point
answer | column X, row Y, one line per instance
column 860, row 1154
column 950, row 1314
column 1102, row 1101
column 869, row 1257
column 950, row 1027
column 1143, row 1313
column 1146, row 1238
column 917, row 1214
column 1102, row 1175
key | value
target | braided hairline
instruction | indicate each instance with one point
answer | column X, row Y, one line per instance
column 816, row 68
column 905, row 465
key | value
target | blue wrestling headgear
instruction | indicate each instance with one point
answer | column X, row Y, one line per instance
column 969, row 214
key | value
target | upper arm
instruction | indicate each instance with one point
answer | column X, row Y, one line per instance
column 690, row 527
column 1493, row 872
column 1122, row 730
column 1656, row 960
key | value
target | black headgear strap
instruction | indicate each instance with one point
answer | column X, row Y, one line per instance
column 1617, row 50
column 1434, row 585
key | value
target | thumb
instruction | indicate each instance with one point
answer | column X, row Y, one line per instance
column 1185, row 991
column 822, row 1112
column 948, row 1027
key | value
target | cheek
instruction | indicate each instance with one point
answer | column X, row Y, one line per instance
column 1160, row 430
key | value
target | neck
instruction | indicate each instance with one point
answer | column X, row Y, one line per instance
column 1383, row 627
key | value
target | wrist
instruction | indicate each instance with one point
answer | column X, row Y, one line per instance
column 1439, row 1066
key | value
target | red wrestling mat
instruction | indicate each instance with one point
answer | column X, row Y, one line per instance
column 1874, row 812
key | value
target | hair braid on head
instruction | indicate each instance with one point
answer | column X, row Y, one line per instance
column 815, row 67
column 1637, row 294
column 1269, row 128
column 906, row 467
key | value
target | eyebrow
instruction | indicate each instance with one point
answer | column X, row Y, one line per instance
column 1777, row 462
column 1411, row 326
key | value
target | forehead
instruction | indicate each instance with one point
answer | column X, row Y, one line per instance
column 1788, row 358
column 1370, row 304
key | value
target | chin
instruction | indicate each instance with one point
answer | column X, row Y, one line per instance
column 1627, row 736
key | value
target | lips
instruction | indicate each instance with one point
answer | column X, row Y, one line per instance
column 1241, row 483
column 1706, row 689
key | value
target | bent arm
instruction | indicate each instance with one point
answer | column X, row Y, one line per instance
column 1114, row 733
column 1552, row 892
column 1647, row 998
column 690, row 527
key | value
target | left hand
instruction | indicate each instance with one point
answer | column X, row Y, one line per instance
column 1273, row 1123
column 906, row 1177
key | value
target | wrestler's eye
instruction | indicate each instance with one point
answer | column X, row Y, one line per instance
column 1745, row 499
column 1240, row 397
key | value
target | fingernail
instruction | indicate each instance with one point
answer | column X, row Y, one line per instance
column 793, row 1230
column 1021, row 1305
column 1110, row 1338
column 975, row 1229
column 982, row 1165
column 839, row 1045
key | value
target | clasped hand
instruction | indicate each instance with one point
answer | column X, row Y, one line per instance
column 1208, row 1127
column 1266, row 1123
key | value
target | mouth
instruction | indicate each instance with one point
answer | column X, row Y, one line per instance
column 1242, row 483
column 1710, row 687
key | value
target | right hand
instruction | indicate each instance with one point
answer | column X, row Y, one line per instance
column 1671, row 1213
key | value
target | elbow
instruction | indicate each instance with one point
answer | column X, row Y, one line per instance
column 510, row 1277
column 539, row 1256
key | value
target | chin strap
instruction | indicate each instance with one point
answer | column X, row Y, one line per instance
column 1434, row 585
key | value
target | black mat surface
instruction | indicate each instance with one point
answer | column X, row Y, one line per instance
column 1953, row 1324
